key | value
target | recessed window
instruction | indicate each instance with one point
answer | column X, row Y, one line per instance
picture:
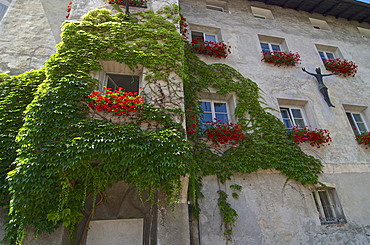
column 270, row 44
column 293, row 117
column 270, row 47
column 214, row 111
column 319, row 24
column 357, row 122
column 203, row 36
column 328, row 52
column 260, row 13
column 364, row 31
column 217, row 5
column 129, row 83
column 328, row 206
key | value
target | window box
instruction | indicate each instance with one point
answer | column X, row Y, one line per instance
column 344, row 67
column 211, row 48
column 279, row 58
column 117, row 101
column 134, row 3
column 224, row 133
column 317, row 137
column 363, row 139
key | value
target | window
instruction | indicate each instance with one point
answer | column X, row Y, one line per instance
column 115, row 74
column 357, row 122
column 326, row 56
column 292, row 117
column 4, row 5
column 319, row 24
column 217, row 5
column 364, row 31
column 211, row 37
column 260, row 13
column 328, row 206
column 214, row 111
column 356, row 118
column 269, row 47
column 328, row 52
column 270, row 44
column 130, row 83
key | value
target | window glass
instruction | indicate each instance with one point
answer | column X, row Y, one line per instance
column 128, row 82
column 214, row 110
column 265, row 47
column 328, row 207
column 275, row 47
column 292, row 117
column 211, row 38
column 357, row 123
column 197, row 35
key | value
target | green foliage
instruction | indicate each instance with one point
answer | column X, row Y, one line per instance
column 63, row 155
column 228, row 213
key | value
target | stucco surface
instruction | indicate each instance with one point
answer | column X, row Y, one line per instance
column 271, row 213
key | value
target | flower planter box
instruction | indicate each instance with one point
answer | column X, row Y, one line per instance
column 317, row 137
column 213, row 49
column 343, row 67
column 279, row 58
column 363, row 139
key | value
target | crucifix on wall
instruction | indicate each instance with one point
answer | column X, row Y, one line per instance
column 323, row 89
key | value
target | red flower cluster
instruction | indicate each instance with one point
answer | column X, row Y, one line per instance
column 344, row 67
column 117, row 101
column 69, row 8
column 279, row 58
column 317, row 137
column 133, row 2
column 184, row 28
column 225, row 133
column 363, row 139
column 213, row 49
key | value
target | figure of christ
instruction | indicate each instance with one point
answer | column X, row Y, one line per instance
column 323, row 89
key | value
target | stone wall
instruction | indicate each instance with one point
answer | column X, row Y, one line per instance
column 270, row 213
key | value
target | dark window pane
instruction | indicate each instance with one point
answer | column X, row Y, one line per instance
column 127, row 82
column 220, row 107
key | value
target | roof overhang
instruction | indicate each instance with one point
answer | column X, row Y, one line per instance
column 348, row 9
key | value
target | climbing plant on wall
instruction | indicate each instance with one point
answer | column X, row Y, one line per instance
column 65, row 156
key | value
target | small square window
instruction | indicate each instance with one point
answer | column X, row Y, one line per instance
column 328, row 206
column 217, row 5
column 319, row 24
column 293, row 117
column 357, row 122
column 365, row 32
column 260, row 13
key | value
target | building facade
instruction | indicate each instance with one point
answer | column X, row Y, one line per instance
column 271, row 210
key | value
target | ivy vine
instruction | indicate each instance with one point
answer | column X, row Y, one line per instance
column 61, row 155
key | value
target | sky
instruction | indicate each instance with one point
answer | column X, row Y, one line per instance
column 364, row 1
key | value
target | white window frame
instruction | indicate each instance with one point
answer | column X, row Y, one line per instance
column 326, row 56
column 355, row 123
column 328, row 206
column 213, row 112
column 205, row 34
column 271, row 49
column 291, row 116
column 4, row 8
